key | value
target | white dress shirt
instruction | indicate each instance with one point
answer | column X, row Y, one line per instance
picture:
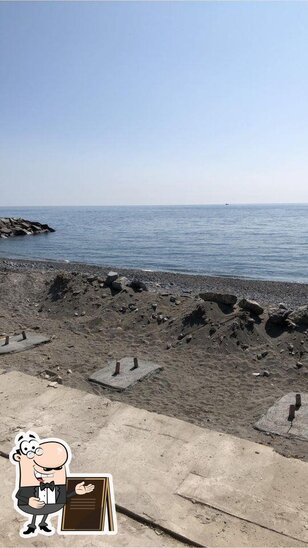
column 47, row 495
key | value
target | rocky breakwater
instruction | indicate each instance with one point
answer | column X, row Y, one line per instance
column 11, row 226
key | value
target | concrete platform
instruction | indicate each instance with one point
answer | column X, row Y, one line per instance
column 18, row 344
column 128, row 374
column 130, row 532
column 245, row 494
column 276, row 419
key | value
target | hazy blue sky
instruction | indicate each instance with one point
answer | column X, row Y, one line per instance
column 153, row 103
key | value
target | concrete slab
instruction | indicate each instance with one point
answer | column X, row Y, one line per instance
column 18, row 344
column 223, row 493
column 152, row 457
column 128, row 373
column 130, row 532
column 276, row 419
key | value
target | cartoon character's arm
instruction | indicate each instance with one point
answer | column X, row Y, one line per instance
column 22, row 498
column 34, row 502
column 80, row 489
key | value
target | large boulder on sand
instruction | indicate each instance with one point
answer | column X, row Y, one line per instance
column 138, row 285
column 278, row 315
column 111, row 277
column 300, row 315
column 251, row 306
column 220, row 298
column 119, row 284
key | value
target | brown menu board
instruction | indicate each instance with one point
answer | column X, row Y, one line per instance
column 90, row 512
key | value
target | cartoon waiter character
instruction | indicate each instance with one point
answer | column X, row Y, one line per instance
column 42, row 468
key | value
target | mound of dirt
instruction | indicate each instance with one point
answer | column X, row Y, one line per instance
column 210, row 351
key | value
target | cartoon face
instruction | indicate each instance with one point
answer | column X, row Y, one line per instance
column 41, row 462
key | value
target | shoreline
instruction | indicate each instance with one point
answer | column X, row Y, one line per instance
column 265, row 291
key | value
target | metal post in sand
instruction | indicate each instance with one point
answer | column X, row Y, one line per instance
column 7, row 340
column 298, row 401
column 117, row 369
column 136, row 364
column 291, row 416
column 24, row 336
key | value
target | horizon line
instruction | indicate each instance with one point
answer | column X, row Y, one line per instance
column 154, row 205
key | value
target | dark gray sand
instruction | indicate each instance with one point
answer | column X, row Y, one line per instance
column 264, row 291
column 209, row 353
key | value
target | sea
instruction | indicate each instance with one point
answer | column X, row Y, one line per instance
column 267, row 242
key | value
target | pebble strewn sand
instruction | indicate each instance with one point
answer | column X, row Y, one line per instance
column 209, row 353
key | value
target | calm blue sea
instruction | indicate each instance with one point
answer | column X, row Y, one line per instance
column 251, row 241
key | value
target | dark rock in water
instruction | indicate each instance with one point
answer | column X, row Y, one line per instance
column 18, row 231
column 300, row 315
column 21, row 227
column 46, row 227
column 278, row 315
column 251, row 306
column 220, row 298
column 36, row 229
column 4, row 231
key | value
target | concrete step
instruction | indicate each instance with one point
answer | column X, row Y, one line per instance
column 247, row 494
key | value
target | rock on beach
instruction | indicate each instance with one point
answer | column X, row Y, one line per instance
column 220, row 298
column 11, row 226
column 251, row 306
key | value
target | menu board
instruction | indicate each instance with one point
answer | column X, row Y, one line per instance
column 91, row 512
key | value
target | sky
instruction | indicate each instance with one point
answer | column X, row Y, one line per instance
column 125, row 103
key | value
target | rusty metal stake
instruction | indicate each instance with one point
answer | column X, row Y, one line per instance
column 117, row 369
column 298, row 401
column 24, row 336
column 7, row 340
column 136, row 364
column 291, row 416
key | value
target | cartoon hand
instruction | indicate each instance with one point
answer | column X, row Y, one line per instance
column 36, row 503
column 82, row 489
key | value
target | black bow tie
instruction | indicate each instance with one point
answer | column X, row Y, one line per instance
column 50, row 485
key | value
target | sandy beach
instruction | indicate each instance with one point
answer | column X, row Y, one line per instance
column 209, row 352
